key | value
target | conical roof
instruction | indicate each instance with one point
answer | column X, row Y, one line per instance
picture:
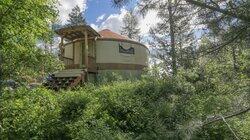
column 107, row 34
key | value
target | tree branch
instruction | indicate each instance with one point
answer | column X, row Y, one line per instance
column 223, row 11
column 220, row 46
column 218, row 118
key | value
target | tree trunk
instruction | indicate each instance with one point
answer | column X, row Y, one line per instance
column 1, row 57
column 181, row 60
column 234, row 58
column 1, row 71
column 172, row 38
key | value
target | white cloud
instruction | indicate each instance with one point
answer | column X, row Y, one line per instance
column 65, row 7
column 148, row 21
column 114, row 22
column 100, row 18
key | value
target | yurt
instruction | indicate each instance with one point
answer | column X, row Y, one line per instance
column 88, row 54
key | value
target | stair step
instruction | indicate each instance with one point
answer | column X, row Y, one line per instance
column 69, row 73
column 56, row 83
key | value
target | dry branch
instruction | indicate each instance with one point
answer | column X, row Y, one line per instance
column 219, row 118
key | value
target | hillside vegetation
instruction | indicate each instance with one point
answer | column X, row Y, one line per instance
column 196, row 88
column 151, row 108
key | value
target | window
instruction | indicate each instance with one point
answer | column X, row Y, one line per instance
column 130, row 50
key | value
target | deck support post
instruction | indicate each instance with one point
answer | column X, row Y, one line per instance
column 81, row 52
column 86, row 53
column 61, row 48
column 73, row 52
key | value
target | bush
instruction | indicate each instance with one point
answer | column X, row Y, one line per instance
column 29, row 114
column 72, row 105
column 169, row 108
column 114, row 113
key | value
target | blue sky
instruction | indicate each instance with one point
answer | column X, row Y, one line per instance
column 100, row 14
column 96, row 8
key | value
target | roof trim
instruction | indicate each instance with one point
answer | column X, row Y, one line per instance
column 123, row 40
column 76, row 31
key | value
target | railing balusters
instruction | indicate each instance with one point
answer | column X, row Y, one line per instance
column 68, row 61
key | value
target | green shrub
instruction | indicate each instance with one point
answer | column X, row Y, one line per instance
column 109, row 77
column 109, row 114
column 117, row 112
column 72, row 105
column 29, row 114
column 169, row 108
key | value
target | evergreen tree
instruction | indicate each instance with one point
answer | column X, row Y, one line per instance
column 227, row 32
column 173, row 35
column 130, row 27
column 76, row 17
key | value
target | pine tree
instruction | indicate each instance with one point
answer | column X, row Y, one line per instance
column 172, row 34
column 130, row 27
column 227, row 30
column 75, row 17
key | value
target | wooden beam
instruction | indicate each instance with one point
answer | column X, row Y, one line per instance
column 82, row 39
column 86, row 53
column 73, row 52
column 81, row 56
column 86, row 48
column 61, row 43
column 61, row 48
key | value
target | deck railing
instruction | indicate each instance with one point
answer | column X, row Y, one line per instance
column 69, row 64
column 68, row 61
column 92, row 64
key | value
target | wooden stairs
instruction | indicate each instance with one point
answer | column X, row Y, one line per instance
column 64, row 79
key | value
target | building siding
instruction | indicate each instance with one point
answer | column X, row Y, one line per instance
column 108, row 52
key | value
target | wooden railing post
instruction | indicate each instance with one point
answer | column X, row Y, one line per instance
column 81, row 50
column 61, row 48
column 86, row 53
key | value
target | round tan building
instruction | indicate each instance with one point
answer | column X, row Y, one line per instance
column 87, row 53
column 116, row 53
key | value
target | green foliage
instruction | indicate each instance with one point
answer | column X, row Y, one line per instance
column 24, row 63
column 110, row 77
column 158, row 106
column 169, row 108
column 22, row 24
column 29, row 114
column 73, row 105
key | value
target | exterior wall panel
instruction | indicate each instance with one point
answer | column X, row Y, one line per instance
column 68, row 52
column 108, row 52
column 77, row 53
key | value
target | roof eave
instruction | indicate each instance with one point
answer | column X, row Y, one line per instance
column 70, row 31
